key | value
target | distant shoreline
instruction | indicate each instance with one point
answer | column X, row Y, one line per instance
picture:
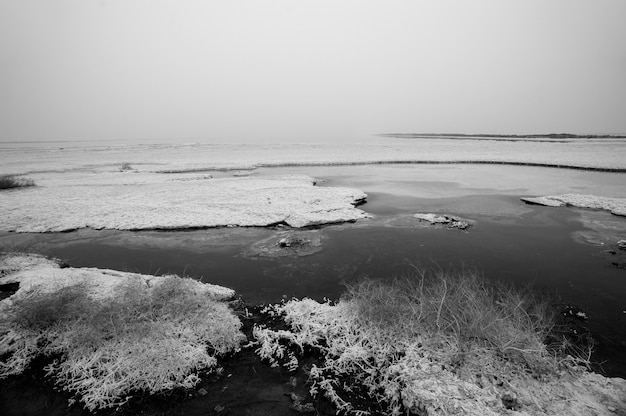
column 550, row 136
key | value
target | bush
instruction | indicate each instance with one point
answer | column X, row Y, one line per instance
column 417, row 343
column 462, row 309
column 125, row 167
column 12, row 181
column 148, row 339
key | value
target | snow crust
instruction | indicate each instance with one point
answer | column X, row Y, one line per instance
column 616, row 206
column 32, row 271
column 128, row 202
column 61, row 157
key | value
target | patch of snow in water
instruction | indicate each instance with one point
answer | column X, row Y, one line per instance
column 616, row 206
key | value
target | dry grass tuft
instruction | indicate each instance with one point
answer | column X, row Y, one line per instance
column 462, row 310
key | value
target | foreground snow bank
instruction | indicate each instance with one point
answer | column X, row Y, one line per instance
column 113, row 333
column 172, row 204
column 33, row 271
column 616, row 206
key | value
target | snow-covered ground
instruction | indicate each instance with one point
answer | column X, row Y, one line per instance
column 129, row 202
column 33, row 271
column 169, row 186
column 46, row 157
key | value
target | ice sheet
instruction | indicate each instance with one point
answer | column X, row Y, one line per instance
column 102, row 202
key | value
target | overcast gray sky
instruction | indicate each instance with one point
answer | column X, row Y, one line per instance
column 300, row 70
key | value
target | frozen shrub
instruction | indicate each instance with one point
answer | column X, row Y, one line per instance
column 423, row 344
column 147, row 338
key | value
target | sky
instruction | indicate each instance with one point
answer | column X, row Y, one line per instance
column 297, row 70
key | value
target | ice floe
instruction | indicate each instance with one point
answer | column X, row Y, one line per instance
column 616, row 206
column 137, row 203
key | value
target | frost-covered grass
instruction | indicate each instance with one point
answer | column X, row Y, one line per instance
column 462, row 309
column 428, row 343
column 11, row 181
column 144, row 338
